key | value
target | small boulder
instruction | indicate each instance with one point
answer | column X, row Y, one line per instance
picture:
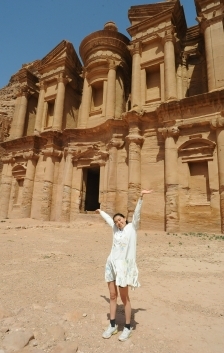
column 16, row 340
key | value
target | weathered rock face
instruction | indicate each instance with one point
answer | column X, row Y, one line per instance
column 145, row 113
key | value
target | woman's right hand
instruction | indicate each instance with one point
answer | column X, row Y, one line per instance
column 98, row 210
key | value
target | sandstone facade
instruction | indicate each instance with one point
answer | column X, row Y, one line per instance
column 141, row 113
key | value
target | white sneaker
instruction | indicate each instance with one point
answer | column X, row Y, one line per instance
column 110, row 331
column 125, row 334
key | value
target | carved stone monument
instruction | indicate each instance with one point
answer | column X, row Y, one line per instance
column 145, row 112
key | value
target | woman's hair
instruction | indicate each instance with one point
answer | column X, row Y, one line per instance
column 121, row 215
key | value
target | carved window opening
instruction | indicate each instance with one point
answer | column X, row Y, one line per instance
column 18, row 191
column 199, row 183
column 153, row 84
column 90, row 189
column 18, row 172
column 97, row 97
column 50, row 113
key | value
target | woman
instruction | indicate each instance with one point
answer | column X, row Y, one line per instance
column 121, row 270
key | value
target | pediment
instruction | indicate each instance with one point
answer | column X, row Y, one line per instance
column 196, row 149
column 63, row 52
column 140, row 13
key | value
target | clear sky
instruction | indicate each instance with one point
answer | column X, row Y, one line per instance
column 29, row 29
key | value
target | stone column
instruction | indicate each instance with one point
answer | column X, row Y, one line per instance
column 184, row 75
column 111, row 90
column 40, row 109
column 115, row 143
column 135, row 141
column 86, row 101
column 104, row 98
column 76, row 192
column 28, row 183
column 135, row 50
column 50, row 155
column 59, row 104
column 67, row 188
column 20, row 119
column 214, row 49
column 169, row 67
column 6, row 185
column 171, row 178
column 218, row 124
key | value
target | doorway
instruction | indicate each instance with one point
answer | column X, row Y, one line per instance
column 91, row 182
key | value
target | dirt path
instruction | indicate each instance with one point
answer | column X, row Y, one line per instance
column 52, row 284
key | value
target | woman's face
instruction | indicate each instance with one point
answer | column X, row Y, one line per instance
column 120, row 222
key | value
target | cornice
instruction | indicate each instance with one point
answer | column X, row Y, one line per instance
column 107, row 127
column 24, row 143
column 187, row 112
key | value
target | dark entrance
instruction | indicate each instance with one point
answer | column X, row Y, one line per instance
column 91, row 181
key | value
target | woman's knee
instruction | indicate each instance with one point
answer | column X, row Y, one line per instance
column 113, row 295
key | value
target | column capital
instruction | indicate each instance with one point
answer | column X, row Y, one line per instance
column 171, row 131
column 30, row 155
column 137, row 139
column 116, row 141
column 113, row 64
column 169, row 37
column 24, row 91
column 63, row 79
column 207, row 22
column 51, row 152
column 42, row 85
column 217, row 122
column 9, row 158
column 135, row 48
column 184, row 58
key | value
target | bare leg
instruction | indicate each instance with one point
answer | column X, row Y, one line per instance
column 127, row 304
column 113, row 299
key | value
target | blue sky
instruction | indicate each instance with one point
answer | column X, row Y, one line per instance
column 29, row 29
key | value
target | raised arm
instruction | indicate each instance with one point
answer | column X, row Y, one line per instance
column 106, row 217
column 136, row 215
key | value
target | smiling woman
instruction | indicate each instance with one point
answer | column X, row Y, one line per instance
column 121, row 269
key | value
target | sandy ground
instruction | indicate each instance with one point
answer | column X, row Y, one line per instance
column 52, row 284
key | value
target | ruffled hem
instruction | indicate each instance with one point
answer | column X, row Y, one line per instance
column 124, row 272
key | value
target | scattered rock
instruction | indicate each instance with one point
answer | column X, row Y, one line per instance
column 16, row 340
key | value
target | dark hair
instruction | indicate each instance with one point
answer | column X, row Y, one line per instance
column 121, row 215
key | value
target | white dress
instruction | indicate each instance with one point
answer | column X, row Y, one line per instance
column 121, row 263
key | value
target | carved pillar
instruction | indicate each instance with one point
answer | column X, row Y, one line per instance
column 218, row 124
column 28, row 184
column 169, row 67
column 59, row 104
column 50, row 154
column 111, row 90
column 67, row 188
column 86, row 101
column 171, row 178
column 184, row 75
column 20, row 119
column 40, row 109
column 214, row 49
column 76, row 192
column 115, row 143
column 135, row 141
column 6, row 185
column 135, row 50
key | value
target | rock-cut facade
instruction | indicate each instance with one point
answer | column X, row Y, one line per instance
column 139, row 112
